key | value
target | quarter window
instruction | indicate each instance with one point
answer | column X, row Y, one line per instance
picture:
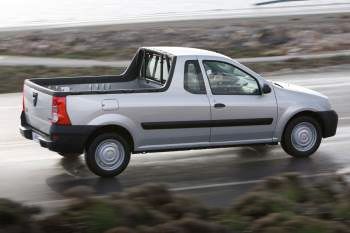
column 226, row 79
column 193, row 78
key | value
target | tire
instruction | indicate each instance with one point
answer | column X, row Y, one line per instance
column 107, row 155
column 301, row 137
column 69, row 155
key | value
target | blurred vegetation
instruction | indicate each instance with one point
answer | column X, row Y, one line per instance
column 12, row 77
column 282, row 204
column 246, row 37
column 297, row 63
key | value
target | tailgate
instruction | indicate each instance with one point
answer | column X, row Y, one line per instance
column 38, row 107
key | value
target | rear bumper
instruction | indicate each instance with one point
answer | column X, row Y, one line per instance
column 43, row 139
column 330, row 123
column 62, row 139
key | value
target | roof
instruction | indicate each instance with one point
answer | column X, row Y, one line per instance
column 184, row 51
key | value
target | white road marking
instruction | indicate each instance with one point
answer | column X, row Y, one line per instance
column 216, row 185
column 344, row 171
column 344, row 118
column 60, row 203
column 228, row 184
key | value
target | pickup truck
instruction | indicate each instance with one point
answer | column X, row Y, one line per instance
column 171, row 98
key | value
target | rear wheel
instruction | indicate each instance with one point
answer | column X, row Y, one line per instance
column 108, row 155
column 302, row 137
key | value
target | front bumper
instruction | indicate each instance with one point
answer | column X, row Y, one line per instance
column 329, row 122
column 62, row 139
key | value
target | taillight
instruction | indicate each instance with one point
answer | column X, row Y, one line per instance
column 59, row 111
column 23, row 106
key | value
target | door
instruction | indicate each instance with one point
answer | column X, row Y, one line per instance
column 175, row 118
column 240, row 112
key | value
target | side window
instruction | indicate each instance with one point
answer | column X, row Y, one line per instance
column 193, row 79
column 226, row 79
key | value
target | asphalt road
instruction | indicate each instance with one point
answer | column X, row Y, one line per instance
column 61, row 62
column 35, row 175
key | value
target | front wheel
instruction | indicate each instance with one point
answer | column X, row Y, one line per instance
column 107, row 155
column 302, row 137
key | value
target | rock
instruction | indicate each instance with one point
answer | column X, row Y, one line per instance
column 273, row 36
column 259, row 204
column 274, row 182
column 189, row 225
column 274, row 52
column 306, row 36
column 155, row 195
column 267, row 221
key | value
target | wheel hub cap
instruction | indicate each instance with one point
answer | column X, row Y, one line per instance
column 304, row 136
column 109, row 154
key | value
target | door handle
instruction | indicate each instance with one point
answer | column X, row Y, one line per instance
column 219, row 105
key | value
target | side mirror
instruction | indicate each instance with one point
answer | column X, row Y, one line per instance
column 266, row 89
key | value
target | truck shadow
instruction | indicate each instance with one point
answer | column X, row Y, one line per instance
column 224, row 169
column 257, row 151
column 77, row 174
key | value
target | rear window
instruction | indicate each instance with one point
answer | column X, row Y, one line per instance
column 156, row 67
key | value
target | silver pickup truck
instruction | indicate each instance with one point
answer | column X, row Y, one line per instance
column 171, row 98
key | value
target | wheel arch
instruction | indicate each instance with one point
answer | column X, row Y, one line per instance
column 314, row 114
column 120, row 130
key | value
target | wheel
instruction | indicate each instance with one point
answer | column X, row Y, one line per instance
column 302, row 137
column 69, row 155
column 107, row 155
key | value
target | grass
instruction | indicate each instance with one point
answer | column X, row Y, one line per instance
column 153, row 208
column 100, row 217
column 12, row 77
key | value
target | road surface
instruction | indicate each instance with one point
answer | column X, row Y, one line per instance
column 68, row 62
column 35, row 175
column 57, row 62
